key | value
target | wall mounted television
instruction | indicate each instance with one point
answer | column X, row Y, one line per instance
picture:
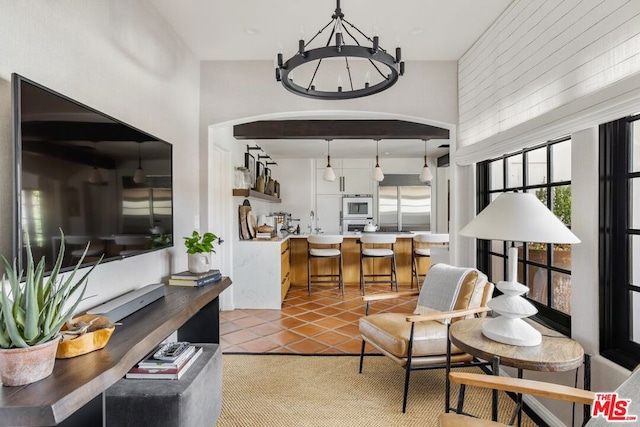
column 99, row 180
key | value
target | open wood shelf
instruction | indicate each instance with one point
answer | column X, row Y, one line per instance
column 256, row 195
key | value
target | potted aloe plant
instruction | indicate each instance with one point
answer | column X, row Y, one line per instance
column 33, row 309
column 199, row 248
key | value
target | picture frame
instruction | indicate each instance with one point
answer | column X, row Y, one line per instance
column 259, row 169
column 250, row 163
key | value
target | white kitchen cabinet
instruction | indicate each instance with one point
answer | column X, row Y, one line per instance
column 328, row 207
column 328, row 187
column 353, row 176
column 357, row 181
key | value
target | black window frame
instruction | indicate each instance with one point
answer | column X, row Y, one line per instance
column 615, row 145
column 546, row 315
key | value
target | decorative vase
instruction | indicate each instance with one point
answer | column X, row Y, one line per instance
column 20, row 366
column 199, row 263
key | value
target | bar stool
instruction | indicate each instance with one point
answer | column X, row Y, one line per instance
column 329, row 251
column 378, row 239
column 417, row 251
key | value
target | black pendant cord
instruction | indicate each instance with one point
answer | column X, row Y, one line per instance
column 313, row 77
column 358, row 43
column 362, row 34
column 346, row 60
column 318, row 33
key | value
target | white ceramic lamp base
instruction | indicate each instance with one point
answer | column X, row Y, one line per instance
column 511, row 331
column 509, row 328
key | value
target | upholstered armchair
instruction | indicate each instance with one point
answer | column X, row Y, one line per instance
column 418, row 340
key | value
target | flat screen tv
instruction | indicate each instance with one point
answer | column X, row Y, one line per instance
column 97, row 179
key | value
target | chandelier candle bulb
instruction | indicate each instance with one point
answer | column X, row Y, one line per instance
column 398, row 54
column 301, row 47
column 280, row 59
column 376, row 43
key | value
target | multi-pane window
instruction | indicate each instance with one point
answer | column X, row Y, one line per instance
column 546, row 269
column 620, row 241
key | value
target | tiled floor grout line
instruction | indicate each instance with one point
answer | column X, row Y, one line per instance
column 323, row 323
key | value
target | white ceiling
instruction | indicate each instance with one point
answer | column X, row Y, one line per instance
column 254, row 29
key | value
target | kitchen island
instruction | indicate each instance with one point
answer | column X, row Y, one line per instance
column 264, row 269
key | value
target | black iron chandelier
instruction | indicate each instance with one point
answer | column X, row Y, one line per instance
column 385, row 67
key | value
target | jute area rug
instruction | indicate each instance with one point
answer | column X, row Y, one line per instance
column 287, row 390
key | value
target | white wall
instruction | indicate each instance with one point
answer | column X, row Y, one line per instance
column 123, row 59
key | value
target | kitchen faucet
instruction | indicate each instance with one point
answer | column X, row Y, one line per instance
column 311, row 217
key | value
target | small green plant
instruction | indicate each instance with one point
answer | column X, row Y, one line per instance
column 197, row 244
column 33, row 312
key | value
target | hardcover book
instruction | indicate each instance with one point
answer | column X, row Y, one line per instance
column 187, row 275
column 171, row 373
column 199, row 282
column 150, row 362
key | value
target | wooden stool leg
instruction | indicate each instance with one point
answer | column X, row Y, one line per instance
column 309, row 274
column 341, row 276
column 362, row 283
column 394, row 269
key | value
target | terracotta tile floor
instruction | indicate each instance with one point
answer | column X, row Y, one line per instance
column 323, row 323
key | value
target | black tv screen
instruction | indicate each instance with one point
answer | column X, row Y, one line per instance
column 97, row 179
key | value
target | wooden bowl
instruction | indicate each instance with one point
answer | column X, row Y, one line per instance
column 96, row 338
column 264, row 229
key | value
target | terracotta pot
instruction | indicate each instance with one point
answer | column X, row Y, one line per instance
column 20, row 366
column 199, row 263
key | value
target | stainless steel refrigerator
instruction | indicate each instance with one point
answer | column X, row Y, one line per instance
column 404, row 207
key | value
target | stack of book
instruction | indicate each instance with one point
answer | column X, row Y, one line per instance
column 263, row 235
column 166, row 368
column 186, row 278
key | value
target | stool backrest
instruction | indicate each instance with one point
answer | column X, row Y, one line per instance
column 431, row 238
column 378, row 238
column 323, row 239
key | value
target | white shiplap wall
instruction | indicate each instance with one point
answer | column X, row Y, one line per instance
column 541, row 55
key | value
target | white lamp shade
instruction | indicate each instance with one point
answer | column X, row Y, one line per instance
column 139, row 177
column 329, row 174
column 425, row 175
column 377, row 174
column 518, row 217
column 95, row 177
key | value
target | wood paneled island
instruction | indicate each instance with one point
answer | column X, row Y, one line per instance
column 264, row 269
column 351, row 261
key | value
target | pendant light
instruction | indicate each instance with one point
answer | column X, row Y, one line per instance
column 139, row 176
column 329, row 175
column 425, row 175
column 377, row 171
column 95, row 177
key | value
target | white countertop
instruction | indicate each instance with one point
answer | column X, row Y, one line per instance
column 348, row 235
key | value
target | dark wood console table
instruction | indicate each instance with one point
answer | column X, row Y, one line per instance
column 73, row 394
